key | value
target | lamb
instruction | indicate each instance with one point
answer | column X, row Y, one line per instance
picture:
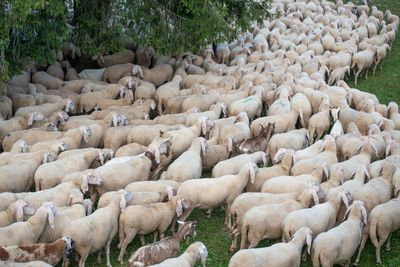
column 265, row 221
column 92, row 74
column 153, row 218
column 188, row 165
column 50, row 175
column 319, row 123
column 166, row 248
column 338, row 74
column 318, row 218
column 194, row 252
column 233, row 165
column 338, row 245
column 6, row 107
column 50, row 253
column 224, row 191
column 281, row 254
column 383, row 221
column 14, row 213
column 393, row 114
column 85, row 231
column 284, row 163
column 158, row 75
column 25, row 233
column 258, row 143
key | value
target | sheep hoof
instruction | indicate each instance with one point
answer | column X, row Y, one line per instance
column 355, row 263
column 232, row 249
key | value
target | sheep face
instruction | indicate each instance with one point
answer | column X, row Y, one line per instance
column 69, row 246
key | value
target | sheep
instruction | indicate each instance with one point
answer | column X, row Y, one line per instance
column 143, row 219
column 56, row 70
column 258, row 143
column 126, row 100
column 284, row 163
column 325, row 214
column 360, row 118
column 319, row 123
column 281, row 254
column 92, row 74
column 158, row 186
column 14, row 213
column 18, row 176
column 144, row 56
column 233, row 165
column 283, row 123
column 96, row 231
column 363, row 60
column 188, row 165
column 114, row 73
column 78, row 208
column 142, row 89
column 47, row 80
column 294, row 139
column 88, row 101
column 233, row 185
column 121, row 57
column 166, row 248
column 129, row 169
column 18, row 123
column 25, row 264
column 265, row 221
column 6, row 107
column 25, row 233
column 166, row 91
column 383, row 221
column 377, row 191
column 139, row 198
column 381, row 52
column 132, row 149
column 338, row 245
column 188, row 258
column 158, row 75
column 393, row 114
column 50, row 253
column 61, row 194
column 49, row 175
column 252, row 105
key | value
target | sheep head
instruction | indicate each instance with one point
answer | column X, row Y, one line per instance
column 23, row 146
column 137, row 71
column 90, row 178
column 69, row 105
column 181, row 205
column 62, row 117
column 48, row 157
column 86, row 133
column 88, row 204
column 69, row 245
column 51, row 127
column 34, row 116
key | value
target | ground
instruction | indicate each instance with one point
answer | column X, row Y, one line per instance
column 385, row 84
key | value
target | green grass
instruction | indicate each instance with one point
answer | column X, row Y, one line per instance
column 385, row 84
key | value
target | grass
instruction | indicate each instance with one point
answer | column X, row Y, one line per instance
column 385, row 84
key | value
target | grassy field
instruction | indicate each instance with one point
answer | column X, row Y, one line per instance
column 385, row 84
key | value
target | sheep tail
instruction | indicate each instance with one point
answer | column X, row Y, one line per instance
column 373, row 232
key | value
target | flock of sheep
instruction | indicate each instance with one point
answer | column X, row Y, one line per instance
column 136, row 139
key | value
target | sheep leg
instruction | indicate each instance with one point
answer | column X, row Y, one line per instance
column 381, row 65
column 304, row 255
column 142, row 241
column 228, row 208
column 253, row 243
column 98, row 260
column 234, row 242
column 209, row 215
column 388, row 243
column 373, row 72
column 108, row 252
column 155, row 236
column 128, row 238
column 83, row 258
column 161, row 235
column 362, row 244
column 357, row 73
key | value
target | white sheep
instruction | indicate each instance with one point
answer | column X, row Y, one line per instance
column 281, row 254
column 338, row 245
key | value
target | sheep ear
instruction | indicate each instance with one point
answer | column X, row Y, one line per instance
column 364, row 215
column 140, row 72
column 30, row 119
column 315, row 196
column 396, row 192
column 51, row 216
column 180, row 222
column 179, row 208
column 252, row 172
column 85, row 184
column 122, row 202
column 345, row 199
column 20, row 210
column 203, row 254
column 308, row 241
column 88, row 204
column 230, row 144
column 203, row 146
column 170, row 192
column 325, row 167
column 29, row 211
column 264, row 159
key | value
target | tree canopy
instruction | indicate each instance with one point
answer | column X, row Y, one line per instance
column 34, row 30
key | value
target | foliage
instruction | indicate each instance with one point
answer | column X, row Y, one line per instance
column 31, row 30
